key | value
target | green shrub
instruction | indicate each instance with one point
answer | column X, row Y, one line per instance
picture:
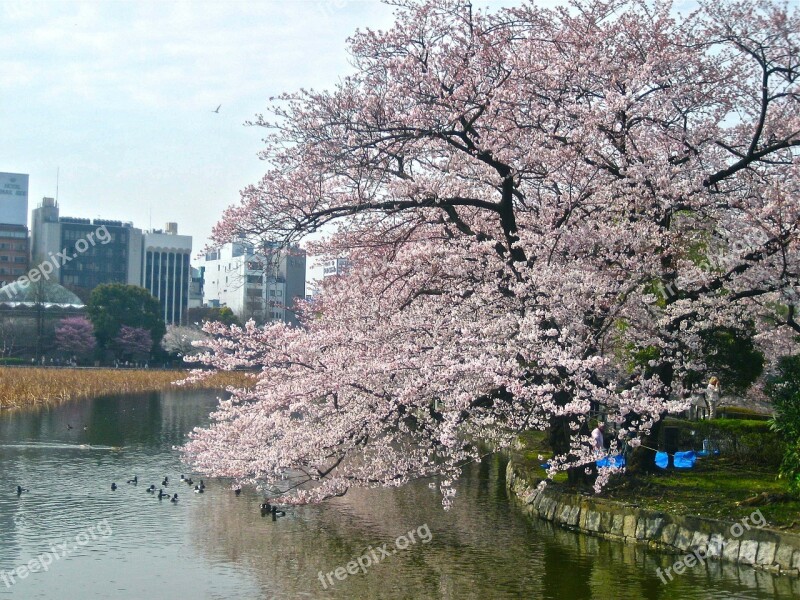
column 747, row 441
column 12, row 361
column 784, row 391
column 737, row 412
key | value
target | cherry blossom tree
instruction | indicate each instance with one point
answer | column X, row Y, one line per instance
column 133, row 343
column 544, row 209
column 75, row 337
column 184, row 341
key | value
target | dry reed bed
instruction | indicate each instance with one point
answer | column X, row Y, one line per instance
column 26, row 387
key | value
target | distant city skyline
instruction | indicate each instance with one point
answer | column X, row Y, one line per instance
column 110, row 106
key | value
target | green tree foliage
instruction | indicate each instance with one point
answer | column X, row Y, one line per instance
column 784, row 390
column 224, row 315
column 730, row 355
column 113, row 305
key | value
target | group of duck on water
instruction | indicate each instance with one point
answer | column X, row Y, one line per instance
column 198, row 489
column 266, row 507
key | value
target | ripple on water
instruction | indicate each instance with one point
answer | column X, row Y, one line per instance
column 216, row 545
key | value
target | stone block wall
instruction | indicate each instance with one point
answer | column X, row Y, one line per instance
column 679, row 534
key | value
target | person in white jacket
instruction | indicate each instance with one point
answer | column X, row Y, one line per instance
column 597, row 437
column 712, row 397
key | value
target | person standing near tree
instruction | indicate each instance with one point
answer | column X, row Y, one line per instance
column 712, row 397
column 597, row 438
column 699, row 408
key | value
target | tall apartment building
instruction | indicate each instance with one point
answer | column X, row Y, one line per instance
column 101, row 251
column 167, row 272
column 259, row 285
column 14, row 243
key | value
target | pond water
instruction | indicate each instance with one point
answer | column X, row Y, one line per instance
column 72, row 537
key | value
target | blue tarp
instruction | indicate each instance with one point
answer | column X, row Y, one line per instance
column 685, row 460
column 612, row 461
column 681, row 460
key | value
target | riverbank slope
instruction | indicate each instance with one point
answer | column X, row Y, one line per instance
column 736, row 542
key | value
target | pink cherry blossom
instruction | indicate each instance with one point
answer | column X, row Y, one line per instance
column 525, row 196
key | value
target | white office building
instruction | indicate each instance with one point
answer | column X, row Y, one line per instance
column 166, row 272
column 261, row 286
column 14, row 199
column 156, row 260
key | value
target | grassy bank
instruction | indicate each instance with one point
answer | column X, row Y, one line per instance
column 26, row 387
column 714, row 488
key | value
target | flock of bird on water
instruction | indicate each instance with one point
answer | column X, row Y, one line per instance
column 266, row 507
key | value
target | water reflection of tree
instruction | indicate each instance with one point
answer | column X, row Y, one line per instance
column 483, row 548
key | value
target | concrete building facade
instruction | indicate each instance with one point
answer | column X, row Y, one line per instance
column 196, row 287
column 100, row 251
column 167, row 273
column 260, row 285
column 14, row 199
column 93, row 252
column 14, row 242
column 14, row 252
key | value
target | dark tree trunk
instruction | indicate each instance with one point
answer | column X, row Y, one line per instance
column 643, row 460
column 559, row 435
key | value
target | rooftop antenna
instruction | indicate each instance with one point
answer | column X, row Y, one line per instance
column 58, row 172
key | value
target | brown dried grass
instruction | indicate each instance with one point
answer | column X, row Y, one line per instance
column 33, row 386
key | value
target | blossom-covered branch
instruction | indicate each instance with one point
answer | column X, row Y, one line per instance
column 513, row 187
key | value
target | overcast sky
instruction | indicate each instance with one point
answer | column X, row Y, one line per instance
column 118, row 96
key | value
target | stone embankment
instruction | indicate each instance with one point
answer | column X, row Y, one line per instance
column 741, row 542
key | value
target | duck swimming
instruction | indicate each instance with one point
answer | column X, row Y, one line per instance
column 198, row 489
column 21, row 489
column 135, row 480
column 151, row 489
column 174, row 498
column 164, row 483
column 161, row 494
column 237, row 491
column 113, row 487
